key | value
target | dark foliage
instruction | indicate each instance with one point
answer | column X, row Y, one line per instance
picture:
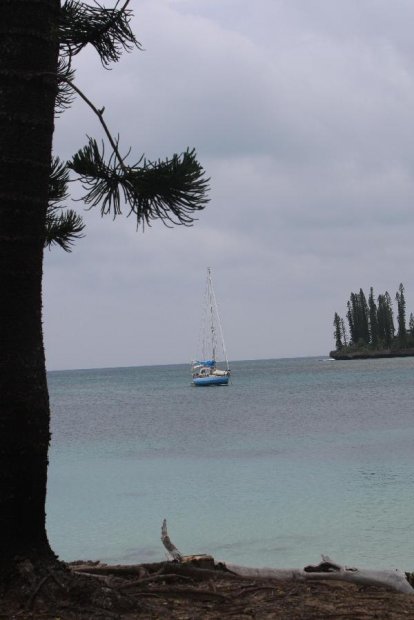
column 401, row 314
column 371, row 325
column 63, row 227
column 169, row 190
column 106, row 29
column 338, row 332
column 65, row 94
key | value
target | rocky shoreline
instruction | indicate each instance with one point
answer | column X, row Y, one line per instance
column 364, row 354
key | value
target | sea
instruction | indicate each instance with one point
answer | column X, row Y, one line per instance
column 294, row 459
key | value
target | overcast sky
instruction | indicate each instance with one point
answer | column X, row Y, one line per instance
column 302, row 114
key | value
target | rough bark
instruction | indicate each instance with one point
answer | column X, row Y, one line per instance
column 28, row 61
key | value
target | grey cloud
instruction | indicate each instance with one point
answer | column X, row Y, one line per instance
column 301, row 112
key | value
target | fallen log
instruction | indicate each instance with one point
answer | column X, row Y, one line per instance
column 327, row 570
column 396, row 579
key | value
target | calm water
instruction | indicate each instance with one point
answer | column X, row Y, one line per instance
column 295, row 458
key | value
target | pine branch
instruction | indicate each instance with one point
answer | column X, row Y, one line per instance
column 170, row 190
column 99, row 114
column 58, row 182
column 63, row 229
column 101, row 180
column 106, row 29
column 65, row 95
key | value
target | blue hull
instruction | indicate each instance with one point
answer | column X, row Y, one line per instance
column 210, row 380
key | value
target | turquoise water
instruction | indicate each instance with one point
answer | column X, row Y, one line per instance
column 295, row 458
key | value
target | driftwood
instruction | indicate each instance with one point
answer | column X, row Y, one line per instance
column 172, row 549
column 190, row 569
column 201, row 567
column 327, row 570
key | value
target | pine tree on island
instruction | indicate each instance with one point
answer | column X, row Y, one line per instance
column 371, row 327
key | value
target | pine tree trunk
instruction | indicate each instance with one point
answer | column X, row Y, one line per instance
column 28, row 61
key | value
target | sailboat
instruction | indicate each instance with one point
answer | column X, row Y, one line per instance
column 208, row 370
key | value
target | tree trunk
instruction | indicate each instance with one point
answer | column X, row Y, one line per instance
column 28, row 63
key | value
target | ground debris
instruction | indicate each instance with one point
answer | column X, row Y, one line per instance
column 152, row 592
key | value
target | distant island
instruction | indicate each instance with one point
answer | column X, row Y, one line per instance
column 370, row 331
column 370, row 354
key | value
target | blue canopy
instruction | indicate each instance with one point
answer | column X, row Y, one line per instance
column 209, row 363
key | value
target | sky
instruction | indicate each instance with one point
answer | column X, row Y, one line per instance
column 302, row 115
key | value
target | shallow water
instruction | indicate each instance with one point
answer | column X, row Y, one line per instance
column 295, row 458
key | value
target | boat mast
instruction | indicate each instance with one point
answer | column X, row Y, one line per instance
column 211, row 306
column 214, row 311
